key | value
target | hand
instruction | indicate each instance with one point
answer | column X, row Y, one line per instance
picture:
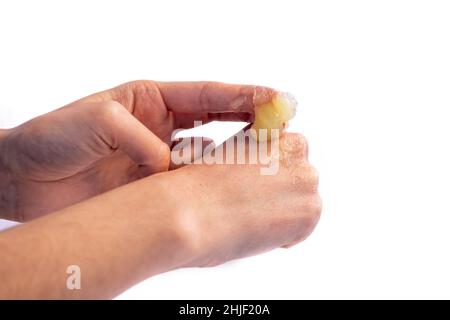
column 108, row 139
column 198, row 215
column 237, row 212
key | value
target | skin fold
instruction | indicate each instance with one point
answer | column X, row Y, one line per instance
column 94, row 179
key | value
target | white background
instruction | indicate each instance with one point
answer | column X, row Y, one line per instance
column 373, row 83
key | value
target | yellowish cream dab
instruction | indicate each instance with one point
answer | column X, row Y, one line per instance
column 273, row 115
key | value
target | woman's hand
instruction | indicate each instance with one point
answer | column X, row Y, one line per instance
column 195, row 216
column 232, row 211
column 106, row 140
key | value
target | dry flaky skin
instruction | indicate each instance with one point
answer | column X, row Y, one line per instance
column 274, row 114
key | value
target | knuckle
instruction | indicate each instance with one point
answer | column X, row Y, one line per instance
column 309, row 216
column 204, row 94
column 314, row 209
column 312, row 179
column 316, row 206
column 302, row 141
column 303, row 145
column 306, row 179
column 110, row 111
column 296, row 143
column 140, row 83
column 142, row 88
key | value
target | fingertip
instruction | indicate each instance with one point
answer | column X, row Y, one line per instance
column 160, row 159
column 293, row 243
column 262, row 95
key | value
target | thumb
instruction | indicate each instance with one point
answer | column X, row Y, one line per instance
column 187, row 150
column 122, row 131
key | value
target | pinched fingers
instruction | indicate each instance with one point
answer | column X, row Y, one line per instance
column 121, row 130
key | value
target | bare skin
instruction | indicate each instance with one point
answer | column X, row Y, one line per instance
column 107, row 140
column 196, row 216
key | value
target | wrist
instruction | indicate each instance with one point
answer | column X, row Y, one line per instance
column 8, row 194
column 151, row 222
column 183, row 213
column 191, row 233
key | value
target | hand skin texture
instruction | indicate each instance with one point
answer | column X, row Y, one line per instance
column 194, row 216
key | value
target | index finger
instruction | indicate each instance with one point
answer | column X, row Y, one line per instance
column 213, row 97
